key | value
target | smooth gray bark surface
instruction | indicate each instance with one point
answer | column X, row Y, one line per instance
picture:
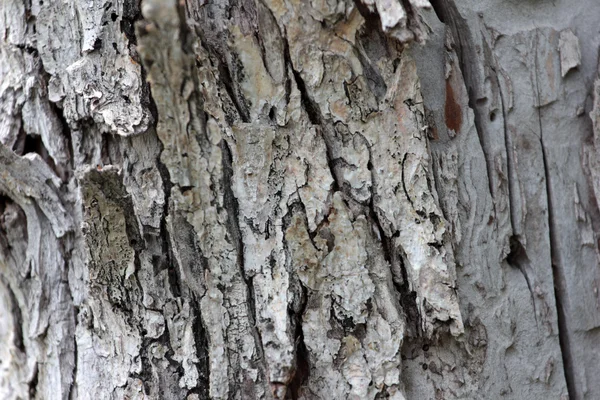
column 269, row 199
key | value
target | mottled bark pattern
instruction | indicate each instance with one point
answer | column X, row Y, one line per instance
column 269, row 199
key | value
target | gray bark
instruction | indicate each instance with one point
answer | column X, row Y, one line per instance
column 269, row 199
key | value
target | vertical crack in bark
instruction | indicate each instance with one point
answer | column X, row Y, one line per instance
column 330, row 158
column 166, row 341
column 233, row 227
column 466, row 51
column 226, row 77
column 301, row 354
column 201, row 340
column 145, row 375
column 312, row 109
column 16, row 314
column 517, row 258
column 34, row 382
column 66, row 249
column 302, row 370
column 406, row 297
column 404, row 181
column 510, row 161
column 559, row 289
column 314, row 116
column 227, row 81
column 75, row 364
column 166, row 245
column 131, row 14
column 557, row 272
column 559, row 281
column 66, row 172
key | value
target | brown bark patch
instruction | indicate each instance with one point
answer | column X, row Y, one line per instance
column 452, row 111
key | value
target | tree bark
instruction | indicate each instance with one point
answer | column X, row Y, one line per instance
column 269, row 199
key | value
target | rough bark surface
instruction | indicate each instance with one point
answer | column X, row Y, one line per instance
column 269, row 199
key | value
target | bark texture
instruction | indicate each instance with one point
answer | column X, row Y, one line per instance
column 269, row 199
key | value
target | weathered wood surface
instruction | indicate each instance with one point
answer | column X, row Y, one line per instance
column 266, row 199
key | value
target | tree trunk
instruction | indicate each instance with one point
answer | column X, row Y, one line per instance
column 269, row 199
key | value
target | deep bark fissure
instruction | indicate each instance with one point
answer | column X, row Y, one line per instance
column 34, row 144
column 130, row 15
column 165, row 239
column 165, row 340
column 230, row 203
column 17, row 316
column 558, row 278
column 517, row 258
column 33, row 383
column 510, row 163
column 145, row 374
column 66, row 243
column 330, row 158
column 302, row 368
column 559, row 293
column 465, row 50
column 404, row 181
column 313, row 112
column 66, row 170
column 372, row 20
column 74, row 382
column 301, row 354
column 227, row 81
column 202, row 351
column 312, row 109
column 557, row 273
column 302, row 362
column 394, row 257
